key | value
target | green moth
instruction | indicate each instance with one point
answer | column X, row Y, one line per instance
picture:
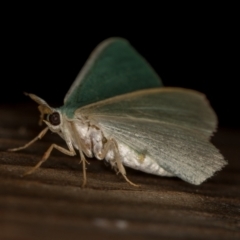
column 118, row 110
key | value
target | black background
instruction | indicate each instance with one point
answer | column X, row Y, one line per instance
column 44, row 48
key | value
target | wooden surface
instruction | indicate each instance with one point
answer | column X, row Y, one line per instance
column 50, row 204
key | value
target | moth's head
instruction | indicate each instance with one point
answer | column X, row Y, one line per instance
column 53, row 117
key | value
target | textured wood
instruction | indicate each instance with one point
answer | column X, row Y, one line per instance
column 50, row 204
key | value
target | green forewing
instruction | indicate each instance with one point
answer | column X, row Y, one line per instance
column 114, row 68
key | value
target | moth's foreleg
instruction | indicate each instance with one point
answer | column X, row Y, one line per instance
column 39, row 136
column 70, row 152
column 112, row 145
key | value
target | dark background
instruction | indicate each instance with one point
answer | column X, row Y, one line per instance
column 43, row 51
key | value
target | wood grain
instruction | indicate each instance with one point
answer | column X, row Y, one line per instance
column 50, row 204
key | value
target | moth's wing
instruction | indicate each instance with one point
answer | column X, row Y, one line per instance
column 171, row 125
column 113, row 68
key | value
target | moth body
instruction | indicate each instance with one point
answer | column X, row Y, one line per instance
column 94, row 144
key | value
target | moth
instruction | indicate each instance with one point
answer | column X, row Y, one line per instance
column 117, row 109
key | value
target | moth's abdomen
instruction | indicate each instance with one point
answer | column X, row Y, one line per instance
column 141, row 161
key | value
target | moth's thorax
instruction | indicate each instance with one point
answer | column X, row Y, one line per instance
column 90, row 136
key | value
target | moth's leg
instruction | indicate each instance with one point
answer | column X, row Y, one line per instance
column 82, row 150
column 83, row 161
column 83, row 158
column 70, row 152
column 112, row 145
column 39, row 136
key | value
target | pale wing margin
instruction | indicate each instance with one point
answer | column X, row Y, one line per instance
column 171, row 125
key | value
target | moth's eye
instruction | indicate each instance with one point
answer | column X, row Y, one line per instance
column 54, row 118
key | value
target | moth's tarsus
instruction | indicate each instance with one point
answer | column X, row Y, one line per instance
column 130, row 182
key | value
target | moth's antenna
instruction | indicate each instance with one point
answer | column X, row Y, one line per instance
column 43, row 107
